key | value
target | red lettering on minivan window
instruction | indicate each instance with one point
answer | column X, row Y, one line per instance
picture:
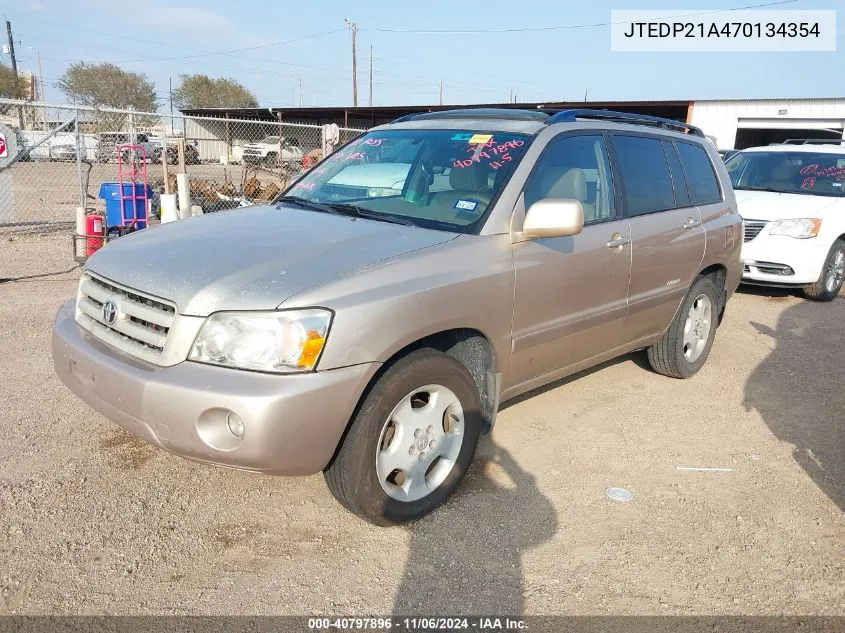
column 808, row 182
column 809, row 169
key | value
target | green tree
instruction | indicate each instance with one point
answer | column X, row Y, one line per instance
column 202, row 91
column 11, row 87
column 106, row 85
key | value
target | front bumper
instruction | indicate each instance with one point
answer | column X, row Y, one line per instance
column 293, row 423
column 782, row 260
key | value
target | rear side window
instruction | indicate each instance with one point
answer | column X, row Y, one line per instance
column 645, row 175
column 703, row 186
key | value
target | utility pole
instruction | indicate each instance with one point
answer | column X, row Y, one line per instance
column 40, row 77
column 300, row 91
column 371, row 76
column 441, row 92
column 257, row 85
column 354, row 28
column 14, row 67
column 170, row 83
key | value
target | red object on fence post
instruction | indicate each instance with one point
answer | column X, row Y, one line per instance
column 131, row 178
column 95, row 230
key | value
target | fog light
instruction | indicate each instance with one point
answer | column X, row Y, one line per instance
column 235, row 424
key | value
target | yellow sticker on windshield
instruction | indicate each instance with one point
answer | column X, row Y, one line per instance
column 479, row 139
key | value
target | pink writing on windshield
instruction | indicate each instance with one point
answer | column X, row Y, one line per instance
column 834, row 172
column 305, row 186
column 494, row 156
column 808, row 182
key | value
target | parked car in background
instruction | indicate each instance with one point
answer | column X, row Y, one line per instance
column 370, row 322
column 64, row 152
column 792, row 200
column 273, row 151
column 192, row 155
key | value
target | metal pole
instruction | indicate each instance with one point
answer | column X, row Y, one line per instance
column 371, row 76
column 354, row 28
column 441, row 92
column 14, row 69
column 79, row 149
column 170, row 79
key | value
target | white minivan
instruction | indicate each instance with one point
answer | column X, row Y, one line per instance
column 792, row 201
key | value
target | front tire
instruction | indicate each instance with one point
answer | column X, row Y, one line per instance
column 833, row 274
column 686, row 345
column 411, row 441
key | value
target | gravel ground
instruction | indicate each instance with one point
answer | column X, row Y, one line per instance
column 93, row 521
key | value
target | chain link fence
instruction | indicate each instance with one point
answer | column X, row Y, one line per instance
column 66, row 154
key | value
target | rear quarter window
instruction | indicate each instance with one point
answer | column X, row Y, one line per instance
column 701, row 178
column 645, row 174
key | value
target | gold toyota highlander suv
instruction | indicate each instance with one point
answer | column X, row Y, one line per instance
column 369, row 323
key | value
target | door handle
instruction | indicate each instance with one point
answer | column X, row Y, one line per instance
column 618, row 241
column 691, row 223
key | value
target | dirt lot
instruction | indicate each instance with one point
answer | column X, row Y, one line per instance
column 93, row 521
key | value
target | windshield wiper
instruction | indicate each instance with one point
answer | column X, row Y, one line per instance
column 339, row 208
column 307, row 204
column 771, row 189
column 360, row 212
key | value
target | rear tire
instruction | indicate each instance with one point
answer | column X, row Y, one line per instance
column 833, row 274
column 426, row 398
column 685, row 346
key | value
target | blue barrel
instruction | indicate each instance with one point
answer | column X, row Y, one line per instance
column 115, row 216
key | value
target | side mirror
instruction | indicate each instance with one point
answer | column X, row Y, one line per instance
column 553, row 217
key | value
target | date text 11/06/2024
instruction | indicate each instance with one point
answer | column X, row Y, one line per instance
column 483, row 624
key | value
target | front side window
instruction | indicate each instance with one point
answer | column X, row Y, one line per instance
column 703, row 185
column 574, row 167
column 645, row 174
column 442, row 179
column 810, row 173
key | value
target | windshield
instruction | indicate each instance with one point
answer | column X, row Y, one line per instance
column 812, row 173
column 270, row 140
column 442, row 179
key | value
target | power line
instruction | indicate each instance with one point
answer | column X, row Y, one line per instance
column 207, row 54
column 536, row 29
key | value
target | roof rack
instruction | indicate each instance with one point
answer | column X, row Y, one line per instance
column 565, row 116
column 811, row 141
column 478, row 113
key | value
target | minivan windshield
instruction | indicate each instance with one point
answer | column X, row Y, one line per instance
column 811, row 173
column 442, row 179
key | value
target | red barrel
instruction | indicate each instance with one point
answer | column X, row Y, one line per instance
column 95, row 229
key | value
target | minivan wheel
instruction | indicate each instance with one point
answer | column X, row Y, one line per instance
column 411, row 442
column 686, row 345
column 833, row 274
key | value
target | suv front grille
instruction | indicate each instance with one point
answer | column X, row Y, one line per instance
column 141, row 322
column 752, row 228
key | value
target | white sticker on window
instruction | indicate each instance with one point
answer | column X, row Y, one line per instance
column 466, row 205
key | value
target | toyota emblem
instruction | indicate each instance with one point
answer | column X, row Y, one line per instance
column 110, row 312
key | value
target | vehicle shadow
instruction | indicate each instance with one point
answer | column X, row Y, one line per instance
column 774, row 293
column 638, row 358
column 798, row 390
column 466, row 557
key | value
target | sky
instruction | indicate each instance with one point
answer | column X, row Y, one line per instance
column 287, row 53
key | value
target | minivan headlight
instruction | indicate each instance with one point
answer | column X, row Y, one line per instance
column 801, row 228
column 286, row 341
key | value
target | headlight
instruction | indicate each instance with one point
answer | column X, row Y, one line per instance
column 286, row 341
column 802, row 228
